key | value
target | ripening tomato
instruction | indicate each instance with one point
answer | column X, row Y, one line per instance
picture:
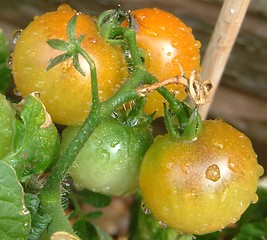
column 7, row 117
column 203, row 185
column 110, row 159
column 63, row 90
column 169, row 46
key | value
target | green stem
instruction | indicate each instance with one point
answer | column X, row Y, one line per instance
column 50, row 194
column 130, row 35
column 94, row 82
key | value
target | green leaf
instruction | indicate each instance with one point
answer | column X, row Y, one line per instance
column 58, row 44
column 39, row 223
column 88, row 231
column 94, row 215
column 14, row 216
column 5, row 72
column 252, row 231
column 146, row 227
column 7, row 117
column 97, row 200
column 36, row 141
column 210, row 236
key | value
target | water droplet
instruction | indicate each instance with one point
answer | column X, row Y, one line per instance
column 9, row 61
column 197, row 44
column 16, row 35
column 98, row 142
column 260, row 170
column 78, row 186
column 16, row 92
column 114, row 143
column 163, row 224
column 102, row 153
column 169, row 53
column 219, row 145
column 25, row 211
column 213, row 173
column 145, row 209
column 255, row 198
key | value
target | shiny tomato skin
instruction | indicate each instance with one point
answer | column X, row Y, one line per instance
column 64, row 91
column 110, row 159
column 203, row 185
column 169, row 45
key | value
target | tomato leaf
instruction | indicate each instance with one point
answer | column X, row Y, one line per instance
column 15, row 217
column 94, row 215
column 39, row 223
column 5, row 72
column 97, row 200
column 36, row 140
column 88, row 231
column 146, row 227
column 251, row 231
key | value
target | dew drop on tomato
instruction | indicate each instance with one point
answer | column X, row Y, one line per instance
column 213, row 173
column 9, row 61
column 144, row 208
column 255, row 198
column 16, row 36
column 163, row 224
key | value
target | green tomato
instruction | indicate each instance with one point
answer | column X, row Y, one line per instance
column 7, row 116
column 109, row 161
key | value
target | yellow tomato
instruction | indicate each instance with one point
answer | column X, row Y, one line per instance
column 203, row 185
column 63, row 90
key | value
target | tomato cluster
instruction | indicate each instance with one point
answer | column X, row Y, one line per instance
column 196, row 184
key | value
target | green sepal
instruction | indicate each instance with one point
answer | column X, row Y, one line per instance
column 71, row 27
column 58, row 59
column 109, row 23
column 169, row 123
column 58, row 44
column 193, row 127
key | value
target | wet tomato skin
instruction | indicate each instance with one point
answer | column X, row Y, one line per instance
column 203, row 185
column 110, row 159
column 169, row 45
column 63, row 90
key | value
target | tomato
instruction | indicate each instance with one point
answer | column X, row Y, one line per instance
column 7, row 116
column 63, row 90
column 110, row 159
column 168, row 45
column 203, row 185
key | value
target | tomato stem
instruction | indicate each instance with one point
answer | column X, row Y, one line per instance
column 50, row 193
column 94, row 82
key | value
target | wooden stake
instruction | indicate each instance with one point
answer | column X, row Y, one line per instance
column 220, row 45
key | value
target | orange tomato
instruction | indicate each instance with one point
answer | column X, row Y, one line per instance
column 169, row 46
column 63, row 90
